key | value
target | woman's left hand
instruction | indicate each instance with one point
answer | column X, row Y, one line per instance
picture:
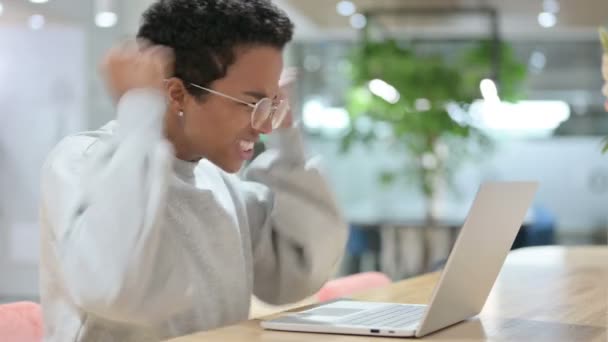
column 286, row 83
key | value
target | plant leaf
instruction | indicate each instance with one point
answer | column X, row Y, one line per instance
column 604, row 38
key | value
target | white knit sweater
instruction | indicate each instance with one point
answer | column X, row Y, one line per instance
column 140, row 246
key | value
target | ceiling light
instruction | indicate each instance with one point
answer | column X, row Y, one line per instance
column 522, row 115
column 537, row 62
column 489, row 90
column 36, row 21
column 346, row 8
column 329, row 120
column 422, row 105
column 384, row 90
column 546, row 19
column 358, row 21
column 106, row 19
column 105, row 13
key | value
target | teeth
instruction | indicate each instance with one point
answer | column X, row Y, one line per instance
column 246, row 145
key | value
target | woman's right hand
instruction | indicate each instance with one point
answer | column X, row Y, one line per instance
column 136, row 65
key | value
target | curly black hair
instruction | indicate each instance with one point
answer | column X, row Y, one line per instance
column 205, row 33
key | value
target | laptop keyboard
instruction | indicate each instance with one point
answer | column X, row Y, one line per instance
column 390, row 316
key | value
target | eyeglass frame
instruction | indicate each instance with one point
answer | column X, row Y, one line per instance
column 273, row 109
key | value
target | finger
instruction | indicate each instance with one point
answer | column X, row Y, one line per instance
column 290, row 71
column 288, row 77
column 162, row 58
column 161, row 53
column 115, row 54
column 143, row 44
column 168, row 60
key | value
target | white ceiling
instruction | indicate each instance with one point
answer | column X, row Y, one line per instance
column 518, row 18
column 72, row 12
column 315, row 19
column 56, row 11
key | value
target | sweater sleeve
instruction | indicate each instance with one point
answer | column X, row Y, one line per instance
column 104, row 199
column 298, row 230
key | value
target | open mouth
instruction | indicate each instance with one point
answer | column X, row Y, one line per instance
column 246, row 146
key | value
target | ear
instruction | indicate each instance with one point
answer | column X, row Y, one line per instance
column 176, row 94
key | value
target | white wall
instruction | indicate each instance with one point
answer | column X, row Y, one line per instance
column 41, row 99
column 50, row 88
column 573, row 177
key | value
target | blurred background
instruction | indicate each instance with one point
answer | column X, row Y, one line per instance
column 410, row 103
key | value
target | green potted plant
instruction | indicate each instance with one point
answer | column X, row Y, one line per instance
column 411, row 94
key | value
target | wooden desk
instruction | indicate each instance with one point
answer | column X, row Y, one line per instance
column 542, row 294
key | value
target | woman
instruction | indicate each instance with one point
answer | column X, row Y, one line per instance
column 147, row 233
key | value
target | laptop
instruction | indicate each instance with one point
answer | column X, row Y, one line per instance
column 483, row 243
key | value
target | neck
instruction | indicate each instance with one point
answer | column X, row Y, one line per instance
column 174, row 132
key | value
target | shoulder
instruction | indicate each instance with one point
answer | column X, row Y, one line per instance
column 71, row 152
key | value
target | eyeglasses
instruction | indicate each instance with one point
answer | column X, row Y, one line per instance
column 265, row 109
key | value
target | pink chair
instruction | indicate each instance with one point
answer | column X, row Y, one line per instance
column 21, row 322
column 346, row 286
